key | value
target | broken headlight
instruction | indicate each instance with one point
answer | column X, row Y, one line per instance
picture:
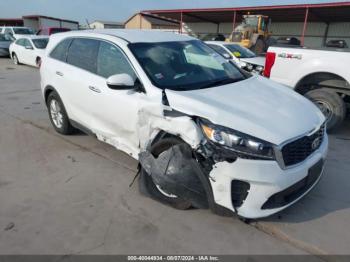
column 245, row 146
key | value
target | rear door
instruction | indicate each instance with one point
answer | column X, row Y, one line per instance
column 79, row 75
column 18, row 48
column 29, row 53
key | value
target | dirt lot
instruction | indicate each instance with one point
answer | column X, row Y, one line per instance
column 71, row 195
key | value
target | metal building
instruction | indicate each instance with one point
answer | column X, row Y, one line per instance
column 99, row 24
column 37, row 22
column 313, row 24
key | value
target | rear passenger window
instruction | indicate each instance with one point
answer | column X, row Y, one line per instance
column 111, row 61
column 60, row 51
column 83, row 54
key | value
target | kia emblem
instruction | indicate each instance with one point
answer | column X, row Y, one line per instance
column 316, row 143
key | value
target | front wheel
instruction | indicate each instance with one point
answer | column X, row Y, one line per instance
column 330, row 104
column 259, row 47
column 155, row 191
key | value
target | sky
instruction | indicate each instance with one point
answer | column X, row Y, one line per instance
column 120, row 10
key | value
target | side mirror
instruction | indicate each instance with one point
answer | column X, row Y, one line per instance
column 121, row 82
column 29, row 47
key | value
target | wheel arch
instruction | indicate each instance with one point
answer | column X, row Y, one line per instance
column 328, row 80
column 48, row 89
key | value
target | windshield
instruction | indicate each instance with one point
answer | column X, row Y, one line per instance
column 252, row 21
column 22, row 31
column 40, row 43
column 187, row 65
column 239, row 51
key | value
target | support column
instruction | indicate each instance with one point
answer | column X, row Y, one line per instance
column 325, row 34
column 234, row 21
column 181, row 22
column 305, row 26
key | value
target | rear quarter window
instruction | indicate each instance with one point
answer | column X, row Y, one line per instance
column 60, row 51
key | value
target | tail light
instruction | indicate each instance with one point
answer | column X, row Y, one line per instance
column 270, row 61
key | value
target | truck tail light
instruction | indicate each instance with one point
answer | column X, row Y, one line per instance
column 270, row 61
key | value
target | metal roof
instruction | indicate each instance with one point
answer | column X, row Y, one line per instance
column 49, row 17
column 326, row 12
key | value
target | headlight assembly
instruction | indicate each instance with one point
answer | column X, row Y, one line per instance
column 245, row 146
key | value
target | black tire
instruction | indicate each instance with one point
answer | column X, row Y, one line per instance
column 331, row 104
column 147, row 184
column 38, row 61
column 65, row 128
column 259, row 47
column 15, row 59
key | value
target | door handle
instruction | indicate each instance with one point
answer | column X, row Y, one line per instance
column 95, row 89
column 59, row 73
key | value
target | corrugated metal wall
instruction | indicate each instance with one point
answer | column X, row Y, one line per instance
column 314, row 35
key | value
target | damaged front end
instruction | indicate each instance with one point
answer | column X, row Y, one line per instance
column 177, row 172
column 190, row 171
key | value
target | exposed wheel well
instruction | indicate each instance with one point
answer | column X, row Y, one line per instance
column 161, row 135
column 323, row 80
column 48, row 90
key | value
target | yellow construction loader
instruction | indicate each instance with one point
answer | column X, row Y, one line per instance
column 252, row 33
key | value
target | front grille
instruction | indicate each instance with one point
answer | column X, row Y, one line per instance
column 292, row 193
column 239, row 192
column 236, row 37
column 300, row 149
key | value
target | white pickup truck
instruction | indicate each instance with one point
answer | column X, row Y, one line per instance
column 322, row 75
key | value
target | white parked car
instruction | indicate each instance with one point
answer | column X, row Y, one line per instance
column 16, row 31
column 242, row 56
column 206, row 134
column 5, row 42
column 322, row 75
column 28, row 50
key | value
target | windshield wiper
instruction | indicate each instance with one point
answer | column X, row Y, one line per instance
column 221, row 82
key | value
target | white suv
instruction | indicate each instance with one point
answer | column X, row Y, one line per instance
column 206, row 134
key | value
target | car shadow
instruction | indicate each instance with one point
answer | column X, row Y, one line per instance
column 332, row 192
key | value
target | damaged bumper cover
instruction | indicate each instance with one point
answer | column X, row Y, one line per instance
column 249, row 187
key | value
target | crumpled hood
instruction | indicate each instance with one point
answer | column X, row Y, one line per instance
column 256, row 106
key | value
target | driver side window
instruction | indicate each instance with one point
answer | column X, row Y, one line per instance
column 111, row 61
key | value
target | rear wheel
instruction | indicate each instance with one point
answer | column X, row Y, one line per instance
column 38, row 61
column 58, row 115
column 15, row 59
column 331, row 105
column 154, row 190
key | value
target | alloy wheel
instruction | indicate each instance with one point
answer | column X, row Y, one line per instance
column 56, row 113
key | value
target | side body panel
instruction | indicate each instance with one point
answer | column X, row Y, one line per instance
column 293, row 64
